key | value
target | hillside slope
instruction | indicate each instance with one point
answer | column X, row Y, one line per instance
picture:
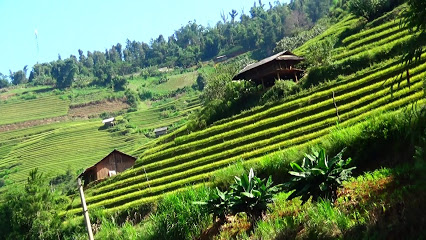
column 60, row 130
column 358, row 93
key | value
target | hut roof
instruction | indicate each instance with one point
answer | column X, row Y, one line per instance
column 282, row 56
column 160, row 129
column 108, row 120
column 114, row 151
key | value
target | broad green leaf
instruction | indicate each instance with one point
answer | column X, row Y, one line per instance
column 256, row 193
column 298, row 174
column 247, row 194
column 296, row 167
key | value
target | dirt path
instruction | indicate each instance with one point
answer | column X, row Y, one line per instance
column 31, row 123
column 84, row 111
column 94, row 109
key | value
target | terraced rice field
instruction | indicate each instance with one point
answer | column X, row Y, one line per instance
column 58, row 143
column 174, row 81
column 25, row 110
column 165, row 114
column 177, row 81
column 55, row 147
column 194, row 158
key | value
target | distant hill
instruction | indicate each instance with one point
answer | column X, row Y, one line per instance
column 57, row 130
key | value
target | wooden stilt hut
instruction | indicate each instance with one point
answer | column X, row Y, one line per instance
column 278, row 66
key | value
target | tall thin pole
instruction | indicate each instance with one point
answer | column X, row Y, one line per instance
column 85, row 210
column 337, row 110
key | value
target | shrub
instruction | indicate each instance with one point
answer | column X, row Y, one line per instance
column 291, row 43
column 371, row 9
column 281, row 89
column 29, row 96
column 43, row 80
column 319, row 53
column 144, row 94
column 119, row 83
column 4, row 83
column 219, row 204
column 201, row 82
column 132, row 98
column 31, row 212
column 251, row 195
column 318, row 176
column 81, row 81
column 248, row 194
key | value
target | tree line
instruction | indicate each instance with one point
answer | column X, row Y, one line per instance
column 260, row 28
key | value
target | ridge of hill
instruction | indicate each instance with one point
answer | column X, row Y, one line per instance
column 375, row 86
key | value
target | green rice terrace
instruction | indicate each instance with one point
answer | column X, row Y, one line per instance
column 174, row 164
column 55, row 131
column 289, row 123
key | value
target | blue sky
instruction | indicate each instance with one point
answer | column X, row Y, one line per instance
column 64, row 26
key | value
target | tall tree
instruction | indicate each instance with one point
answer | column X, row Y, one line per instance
column 20, row 76
column 233, row 14
column 3, row 81
column 31, row 212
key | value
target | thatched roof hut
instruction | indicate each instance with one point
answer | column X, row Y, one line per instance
column 278, row 66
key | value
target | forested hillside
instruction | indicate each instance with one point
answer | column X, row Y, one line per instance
column 260, row 28
column 337, row 154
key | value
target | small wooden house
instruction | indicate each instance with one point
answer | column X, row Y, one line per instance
column 160, row 131
column 219, row 59
column 278, row 66
column 113, row 163
column 109, row 122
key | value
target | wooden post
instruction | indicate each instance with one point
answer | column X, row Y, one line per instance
column 337, row 110
column 85, row 211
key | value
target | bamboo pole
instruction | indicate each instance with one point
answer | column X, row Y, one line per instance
column 85, row 210
column 337, row 110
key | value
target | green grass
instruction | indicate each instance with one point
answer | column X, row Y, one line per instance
column 164, row 114
column 386, row 43
column 335, row 30
column 382, row 35
column 39, row 108
column 370, row 32
column 174, row 82
column 17, row 90
column 177, row 81
column 91, row 94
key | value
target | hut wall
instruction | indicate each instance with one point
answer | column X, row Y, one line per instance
column 103, row 167
column 160, row 133
column 123, row 162
column 89, row 176
column 114, row 162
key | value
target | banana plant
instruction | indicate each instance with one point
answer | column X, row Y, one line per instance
column 218, row 204
column 318, row 176
column 248, row 194
column 252, row 194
